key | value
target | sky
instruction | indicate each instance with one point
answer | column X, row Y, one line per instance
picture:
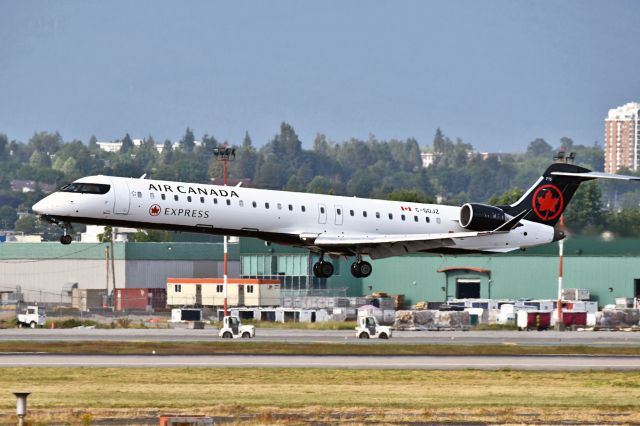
column 496, row 74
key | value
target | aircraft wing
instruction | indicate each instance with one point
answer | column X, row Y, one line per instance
column 326, row 240
column 383, row 246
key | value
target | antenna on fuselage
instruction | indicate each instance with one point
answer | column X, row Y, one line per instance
column 143, row 176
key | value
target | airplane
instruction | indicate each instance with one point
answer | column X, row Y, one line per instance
column 324, row 224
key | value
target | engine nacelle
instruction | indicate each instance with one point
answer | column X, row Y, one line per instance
column 481, row 217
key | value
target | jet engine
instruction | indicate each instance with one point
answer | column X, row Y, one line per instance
column 481, row 217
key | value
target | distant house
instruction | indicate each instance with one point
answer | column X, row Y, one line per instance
column 428, row 158
column 115, row 146
column 31, row 186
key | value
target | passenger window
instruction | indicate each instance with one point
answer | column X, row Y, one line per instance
column 390, row 216
column 403, row 217
column 241, row 203
column 215, row 201
column 364, row 214
column 202, row 200
column 189, row 198
column 279, row 206
column 266, row 205
column 322, row 210
column 303, row 208
column 427, row 218
column 139, row 194
column 415, row 218
column 254, row 204
column 152, row 195
column 163, row 196
column 290, row 207
column 438, row 220
column 338, row 212
column 175, row 197
column 228, row 202
column 377, row 215
column 351, row 212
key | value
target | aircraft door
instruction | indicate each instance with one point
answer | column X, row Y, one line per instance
column 122, row 197
column 322, row 213
column 339, row 212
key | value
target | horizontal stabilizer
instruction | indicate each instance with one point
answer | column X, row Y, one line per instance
column 596, row 175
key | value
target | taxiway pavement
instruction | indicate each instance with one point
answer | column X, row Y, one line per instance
column 526, row 338
column 538, row 363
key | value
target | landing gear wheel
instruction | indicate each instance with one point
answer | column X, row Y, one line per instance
column 361, row 269
column 323, row 269
column 66, row 239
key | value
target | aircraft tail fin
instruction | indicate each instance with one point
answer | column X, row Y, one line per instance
column 550, row 195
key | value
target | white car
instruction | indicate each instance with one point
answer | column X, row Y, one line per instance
column 232, row 328
column 33, row 317
column 368, row 327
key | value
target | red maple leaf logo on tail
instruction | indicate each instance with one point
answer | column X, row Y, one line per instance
column 548, row 203
column 547, row 206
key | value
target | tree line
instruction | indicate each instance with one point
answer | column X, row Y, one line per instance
column 386, row 169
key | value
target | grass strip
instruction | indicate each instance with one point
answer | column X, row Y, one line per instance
column 293, row 396
column 246, row 347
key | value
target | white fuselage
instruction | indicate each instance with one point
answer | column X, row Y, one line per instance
column 278, row 216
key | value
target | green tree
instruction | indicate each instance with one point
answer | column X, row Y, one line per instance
column 410, row 196
column 106, row 236
column 585, row 213
column 151, row 235
column 39, row 159
column 540, row 148
column 8, row 217
column 26, row 224
column 127, row 144
column 187, row 143
column 625, row 223
column 507, row 197
column 93, row 143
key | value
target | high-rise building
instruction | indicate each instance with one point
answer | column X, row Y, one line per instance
column 622, row 138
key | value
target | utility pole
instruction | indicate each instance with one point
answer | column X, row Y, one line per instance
column 106, row 264
column 225, row 154
column 562, row 158
column 113, row 268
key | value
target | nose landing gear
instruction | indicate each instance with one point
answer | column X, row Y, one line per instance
column 66, row 238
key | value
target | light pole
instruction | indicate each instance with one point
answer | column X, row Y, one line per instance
column 225, row 154
column 560, row 157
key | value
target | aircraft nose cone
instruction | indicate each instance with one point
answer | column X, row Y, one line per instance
column 558, row 235
column 38, row 207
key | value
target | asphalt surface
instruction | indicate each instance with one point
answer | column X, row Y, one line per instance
column 526, row 338
column 544, row 363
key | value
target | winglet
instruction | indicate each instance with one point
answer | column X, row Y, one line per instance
column 512, row 223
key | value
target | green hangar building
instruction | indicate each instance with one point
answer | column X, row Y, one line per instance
column 609, row 269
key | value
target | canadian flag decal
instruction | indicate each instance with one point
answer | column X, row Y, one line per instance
column 405, row 209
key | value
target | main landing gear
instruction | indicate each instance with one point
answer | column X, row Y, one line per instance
column 322, row 269
column 359, row 268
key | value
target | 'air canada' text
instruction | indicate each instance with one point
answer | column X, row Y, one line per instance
column 191, row 190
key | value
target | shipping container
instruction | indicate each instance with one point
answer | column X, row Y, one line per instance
column 86, row 299
column 140, row 299
column 574, row 318
column 534, row 320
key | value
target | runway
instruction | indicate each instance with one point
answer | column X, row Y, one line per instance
column 537, row 363
column 530, row 338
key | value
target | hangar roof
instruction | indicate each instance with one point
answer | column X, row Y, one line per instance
column 128, row 251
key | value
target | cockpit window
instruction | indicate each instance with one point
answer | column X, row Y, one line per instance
column 86, row 188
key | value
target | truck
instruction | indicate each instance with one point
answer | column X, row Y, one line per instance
column 368, row 327
column 233, row 328
column 33, row 316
